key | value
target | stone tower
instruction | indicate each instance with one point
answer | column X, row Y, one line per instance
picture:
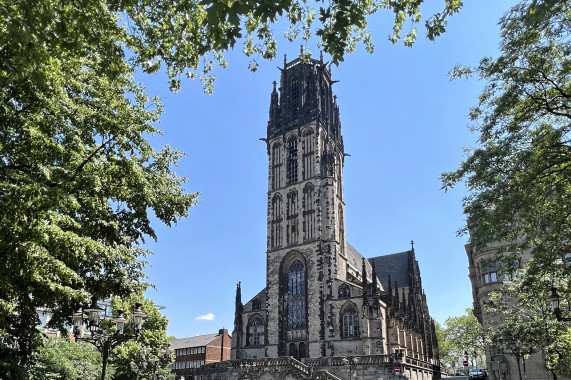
column 306, row 239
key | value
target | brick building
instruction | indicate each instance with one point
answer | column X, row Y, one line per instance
column 326, row 309
column 191, row 353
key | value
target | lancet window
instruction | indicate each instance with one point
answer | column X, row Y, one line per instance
column 276, row 222
column 292, row 217
column 276, row 166
column 308, row 212
column 291, row 173
column 296, row 296
column 308, row 147
column 350, row 321
column 256, row 331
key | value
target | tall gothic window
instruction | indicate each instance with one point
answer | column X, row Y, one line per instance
column 291, row 174
column 296, row 296
column 276, row 166
column 308, row 213
column 292, row 217
column 255, row 331
column 295, row 94
column 350, row 321
column 276, row 222
column 308, row 146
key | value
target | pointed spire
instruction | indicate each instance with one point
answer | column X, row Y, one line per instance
column 374, row 276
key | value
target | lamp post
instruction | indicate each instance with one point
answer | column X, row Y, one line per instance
column 91, row 316
column 554, row 300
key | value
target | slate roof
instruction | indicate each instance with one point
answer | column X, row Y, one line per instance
column 356, row 259
column 395, row 265
column 194, row 341
column 261, row 296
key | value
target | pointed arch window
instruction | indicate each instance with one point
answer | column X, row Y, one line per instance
column 276, row 166
column 292, row 217
column 276, row 222
column 291, row 172
column 296, row 296
column 350, row 322
column 295, row 94
column 256, row 331
column 308, row 213
column 308, row 147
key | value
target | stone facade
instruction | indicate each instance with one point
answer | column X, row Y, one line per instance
column 323, row 301
column 486, row 276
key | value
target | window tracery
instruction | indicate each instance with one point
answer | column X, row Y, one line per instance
column 291, row 171
column 350, row 321
column 296, row 296
column 308, row 212
column 256, row 330
column 276, row 222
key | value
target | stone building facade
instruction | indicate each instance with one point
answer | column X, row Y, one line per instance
column 486, row 276
column 325, row 309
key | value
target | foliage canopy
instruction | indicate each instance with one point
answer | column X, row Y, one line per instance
column 519, row 177
column 78, row 179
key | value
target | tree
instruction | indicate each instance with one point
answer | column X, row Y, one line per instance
column 519, row 177
column 147, row 355
column 62, row 359
column 78, row 179
column 462, row 335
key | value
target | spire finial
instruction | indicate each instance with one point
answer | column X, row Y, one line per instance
column 301, row 50
column 321, row 56
column 285, row 61
column 412, row 245
column 274, row 83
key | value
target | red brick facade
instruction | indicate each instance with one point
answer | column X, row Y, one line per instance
column 193, row 352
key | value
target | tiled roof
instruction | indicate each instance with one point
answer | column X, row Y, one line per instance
column 194, row 341
column 261, row 296
column 395, row 265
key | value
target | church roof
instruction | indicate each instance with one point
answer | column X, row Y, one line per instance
column 261, row 296
column 193, row 341
column 395, row 265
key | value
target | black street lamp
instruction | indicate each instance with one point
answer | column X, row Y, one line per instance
column 105, row 343
column 554, row 300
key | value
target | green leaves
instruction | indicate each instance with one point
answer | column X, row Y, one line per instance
column 520, row 175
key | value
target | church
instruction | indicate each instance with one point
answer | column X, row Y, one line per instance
column 327, row 312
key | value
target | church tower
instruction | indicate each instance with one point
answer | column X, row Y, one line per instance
column 306, row 250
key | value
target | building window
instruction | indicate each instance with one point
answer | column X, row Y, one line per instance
column 344, row 291
column 295, row 94
column 509, row 269
column 296, row 296
column 308, row 213
column 256, row 304
column 256, row 331
column 276, row 223
column 292, row 216
column 291, row 173
column 308, row 147
column 489, row 272
column 276, row 166
column 350, row 320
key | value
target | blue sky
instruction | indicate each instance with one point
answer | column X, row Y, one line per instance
column 403, row 124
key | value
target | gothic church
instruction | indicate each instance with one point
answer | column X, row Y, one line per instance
column 325, row 308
